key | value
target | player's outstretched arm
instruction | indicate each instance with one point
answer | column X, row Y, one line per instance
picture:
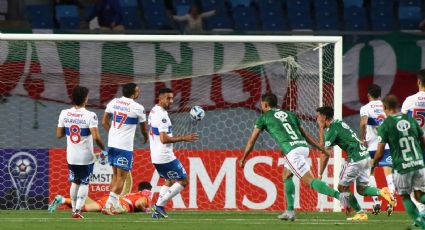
column 60, row 132
column 165, row 139
column 105, row 121
column 144, row 130
column 97, row 138
column 249, row 145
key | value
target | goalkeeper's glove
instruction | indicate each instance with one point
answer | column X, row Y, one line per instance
column 104, row 153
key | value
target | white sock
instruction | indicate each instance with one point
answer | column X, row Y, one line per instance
column 113, row 200
column 390, row 183
column 420, row 206
column 162, row 193
column 81, row 196
column 175, row 189
column 73, row 191
column 372, row 182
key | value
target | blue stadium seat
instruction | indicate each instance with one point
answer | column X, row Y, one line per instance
column 208, row 5
column 130, row 18
column 128, row 3
column 382, row 20
column 235, row 3
column 273, row 20
column 182, row 2
column 417, row 3
column 351, row 3
column 40, row 16
column 325, row 5
column 327, row 19
column 409, row 17
column 69, row 23
column 156, row 18
column 355, row 19
column 182, row 9
column 245, row 18
column 299, row 14
column 219, row 21
column 152, row 4
column 269, row 5
column 386, row 6
column 66, row 11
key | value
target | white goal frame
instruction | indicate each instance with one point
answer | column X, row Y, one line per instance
column 336, row 40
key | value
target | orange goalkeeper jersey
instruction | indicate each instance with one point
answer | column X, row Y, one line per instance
column 129, row 200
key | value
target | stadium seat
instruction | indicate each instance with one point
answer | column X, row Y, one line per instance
column 386, row 6
column 208, row 5
column 355, row 19
column 40, row 16
column 128, row 3
column 327, row 5
column 326, row 20
column 131, row 18
column 269, row 5
column 382, row 20
column 152, row 4
column 409, row 17
column 273, row 20
column 235, row 3
column 156, row 18
column 353, row 3
column 182, row 9
column 70, row 23
column 182, row 2
column 299, row 14
column 66, row 11
column 417, row 3
column 245, row 18
column 219, row 21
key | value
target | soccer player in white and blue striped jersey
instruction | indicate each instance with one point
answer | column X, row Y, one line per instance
column 121, row 118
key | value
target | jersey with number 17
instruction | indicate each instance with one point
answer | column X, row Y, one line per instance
column 414, row 106
column 77, row 124
column 125, row 115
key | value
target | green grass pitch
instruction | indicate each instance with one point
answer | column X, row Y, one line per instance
column 199, row 220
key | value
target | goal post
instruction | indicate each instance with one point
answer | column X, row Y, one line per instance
column 224, row 74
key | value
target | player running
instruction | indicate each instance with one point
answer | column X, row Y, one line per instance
column 357, row 168
column 131, row 202
column 414, row 106
column 405, row 138
column 371, row 116
column 161, row 141
column 80, row 127
column 286, row 130
column 121, row 117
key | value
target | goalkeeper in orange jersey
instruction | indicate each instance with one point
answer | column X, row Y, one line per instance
column 132, row 202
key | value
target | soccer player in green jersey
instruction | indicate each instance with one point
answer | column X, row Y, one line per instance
column 405, row 137
column 357, row 166
column 286, row 130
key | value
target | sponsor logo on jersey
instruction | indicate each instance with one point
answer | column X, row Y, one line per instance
column 412, row 164
column 164, row 120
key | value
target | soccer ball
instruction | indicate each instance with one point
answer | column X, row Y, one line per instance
column 197, row 113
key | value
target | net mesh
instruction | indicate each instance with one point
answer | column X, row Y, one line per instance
column 226, row 79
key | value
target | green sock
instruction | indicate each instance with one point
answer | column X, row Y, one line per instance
column 323, row 188
column 422, row 200
column 290, row 193
column 371, row 191
column 354, row 204
column 412, row 211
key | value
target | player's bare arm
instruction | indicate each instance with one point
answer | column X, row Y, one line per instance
column 60, row 132
column 165, row 139
column 96, row 137
column 105, row 121
column 310, row 139
column 249, row 145
column 144, row 130
column 378, row 155
column 363, row 123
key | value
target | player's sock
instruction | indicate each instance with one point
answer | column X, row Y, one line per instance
column 372, row 182
column 419, row 204
column 81, row 196
column 390, row 183
column 323, row 188
column 175, row 189
column 290, row 193
column 371, row 191
column 114, row 199
column 412, row 211
column 422, row 199
column 73, row 191
column 354, row 204
column 162, row 193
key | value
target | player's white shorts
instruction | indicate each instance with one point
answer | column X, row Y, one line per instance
column 358, row 171
column 411, row 181
column 296, row 161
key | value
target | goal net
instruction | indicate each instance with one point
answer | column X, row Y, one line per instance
column 226, row 75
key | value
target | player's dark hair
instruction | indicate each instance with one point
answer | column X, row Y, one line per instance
column 374, row 91
column 421, row 76
column 144, row 185
column 165, row 90
column 129, row 89
column 391, row 102
column 270, row 98
column 327, row 111
column 79, row 95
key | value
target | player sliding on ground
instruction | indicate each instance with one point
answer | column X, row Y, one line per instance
column 80, row 127
column 286, row 130
column 405, row 138
column 357, row 168
column 131, row 202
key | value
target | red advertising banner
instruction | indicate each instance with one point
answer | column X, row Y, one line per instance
column 216, row 180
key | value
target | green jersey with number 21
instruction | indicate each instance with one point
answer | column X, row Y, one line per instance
column 403, row 135
column 283, row 126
